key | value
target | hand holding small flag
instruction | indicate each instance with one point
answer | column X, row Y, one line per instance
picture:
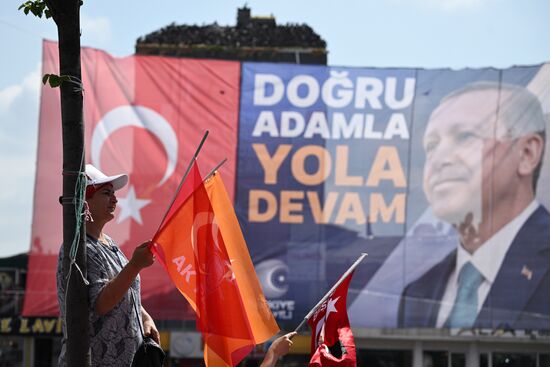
column 280, row 347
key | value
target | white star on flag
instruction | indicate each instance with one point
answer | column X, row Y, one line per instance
column 320, row 330
column 331, row 306
column 130, row 206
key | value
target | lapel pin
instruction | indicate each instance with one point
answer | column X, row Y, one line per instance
column 526, row 272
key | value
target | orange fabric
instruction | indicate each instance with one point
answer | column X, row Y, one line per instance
column 172, row 241
column 263, row 325
column 202, row 249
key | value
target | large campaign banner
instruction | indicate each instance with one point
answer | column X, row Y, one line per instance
column 431, row 172
column 441, row 176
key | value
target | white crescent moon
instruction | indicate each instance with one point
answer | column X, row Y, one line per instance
column 144, row 118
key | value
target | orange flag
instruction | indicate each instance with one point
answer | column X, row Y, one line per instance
column 203, row 250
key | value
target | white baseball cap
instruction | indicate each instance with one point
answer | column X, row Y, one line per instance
column 96, row 177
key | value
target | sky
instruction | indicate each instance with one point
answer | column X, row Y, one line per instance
column 367, row 33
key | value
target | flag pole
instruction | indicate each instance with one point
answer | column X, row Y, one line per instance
column 182, row 180
column 215, row 169
column 329, row 293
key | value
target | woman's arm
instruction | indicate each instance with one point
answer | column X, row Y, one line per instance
column 114, row 290
column 279, row 348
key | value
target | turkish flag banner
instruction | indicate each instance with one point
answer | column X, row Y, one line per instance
column 202, row 249
column 332, row 342
column 144, row 116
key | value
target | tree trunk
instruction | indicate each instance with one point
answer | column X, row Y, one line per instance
column 66, row 14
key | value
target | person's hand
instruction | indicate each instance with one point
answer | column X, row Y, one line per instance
column 142, row 256
column 278, row 348
column 282, row 344
column 150, row 329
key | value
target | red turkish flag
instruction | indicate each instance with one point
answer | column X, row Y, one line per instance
column 332, row 342
column 144, row 116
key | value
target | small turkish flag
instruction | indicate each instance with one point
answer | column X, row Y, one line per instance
column 332, row 342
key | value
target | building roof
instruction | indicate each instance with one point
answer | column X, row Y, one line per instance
column 248, row 32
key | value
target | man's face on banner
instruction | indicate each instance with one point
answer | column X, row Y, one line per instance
column 464, row 147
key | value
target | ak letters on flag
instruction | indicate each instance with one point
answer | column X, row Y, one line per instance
column 202, row 248
column 332, row 342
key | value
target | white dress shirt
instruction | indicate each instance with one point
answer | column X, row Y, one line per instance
column 487, row 259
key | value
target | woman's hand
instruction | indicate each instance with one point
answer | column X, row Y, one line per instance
column 142, row 256
column 149, row 327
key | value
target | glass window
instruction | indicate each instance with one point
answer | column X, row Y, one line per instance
column 483, row 360
column 544, row 360
column 43, row 352
column 514, row 360
column 458, row 360
column 436, row 359
column 11, row 352
column 384, row 358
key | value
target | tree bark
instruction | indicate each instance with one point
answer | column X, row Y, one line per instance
column 66, row 14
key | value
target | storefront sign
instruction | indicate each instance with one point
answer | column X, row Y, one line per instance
column 30, row 326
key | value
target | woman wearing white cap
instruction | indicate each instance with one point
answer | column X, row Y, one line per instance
column 114, row 289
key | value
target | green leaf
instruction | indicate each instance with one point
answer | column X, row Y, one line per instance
column 37, row 7
column 54, row 81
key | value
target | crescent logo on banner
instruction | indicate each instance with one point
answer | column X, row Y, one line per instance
column 273, row 274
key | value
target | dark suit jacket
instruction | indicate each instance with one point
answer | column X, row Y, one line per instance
column 519, row 297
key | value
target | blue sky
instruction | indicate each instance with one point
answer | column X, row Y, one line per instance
column 372, row 33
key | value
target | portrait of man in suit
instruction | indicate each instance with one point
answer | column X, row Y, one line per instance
column 483, row 147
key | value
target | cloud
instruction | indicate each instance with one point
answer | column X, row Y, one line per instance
column 8, row 95
column 18, row 136
column 33, row 81
column 21, row 173
column 96, row 32
column 29, row 84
